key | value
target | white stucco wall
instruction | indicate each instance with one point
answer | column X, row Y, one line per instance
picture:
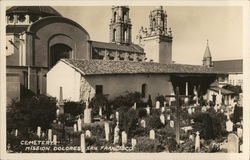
column 115, row 85
column 66, row 77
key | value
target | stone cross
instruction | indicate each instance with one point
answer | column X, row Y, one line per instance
column 88, row 133
column 54, row 139
column 124, row 138
column 82, row 143
column 148, row 110
column 157, row 105
column 162, row 118
column 50, row 134
column 229, row 126
column 79, row 124
column 39, row 131
column 16, row 132
column 116, row 134
column 107, row 131
column 233, row 143
column 152, row 134
column 75, row 128
column 133, row 142
column 87, row 113
column 143, row 123
column 197, row 142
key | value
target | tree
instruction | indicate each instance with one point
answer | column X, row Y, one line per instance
column 28, row 113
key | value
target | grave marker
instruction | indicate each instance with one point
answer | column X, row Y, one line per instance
column 38, row 131
column 124, row 138
column 197, row 142
column 50, row 134
column 88, row 133
column 100, row 111
column 133, row 142
column 162, row 118
column 152, row 134
column 171, row 123
column 75, row 128
column 239, row 132
column 116, row 135
column 79, row 124
column 143, row 123
column 233, row 143
column 54, row 139
column 87, row 113
column 148, row 110
column 107, row 131
column 82, row 142
column 229, row 126
column 157, row 105
column 16, row 132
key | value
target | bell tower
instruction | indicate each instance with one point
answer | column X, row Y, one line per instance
column 207, row 58
column 120, row 25
column 157, row 39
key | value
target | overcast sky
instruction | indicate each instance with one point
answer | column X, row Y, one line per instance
column 191, row 27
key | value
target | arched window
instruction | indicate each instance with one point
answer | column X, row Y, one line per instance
column 115, row 16
column 114, row 34
column 144, row 90
column 125, row 17
column 125, row 35
column 57, row 52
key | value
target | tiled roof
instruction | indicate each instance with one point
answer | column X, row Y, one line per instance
column 223, row 91
column 231, row 66
column 113, row 46
column 41, row 10
column 16, row 28
column 95, row 67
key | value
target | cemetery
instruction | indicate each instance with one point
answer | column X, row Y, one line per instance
column 174, row 124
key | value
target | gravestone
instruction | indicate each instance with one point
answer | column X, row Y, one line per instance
column 133, row 142
column 191, row 137
column 43, row 134
column 54, row 139
column 168, row 117
column 82, row 143
column 124, row 138
column 162, row 118
column 197, row 142
column 87, row 114
column 117, row 116
column 190, row 110
column 57, row 112
column 88, row 133
column 164, row 104
column 233, row 143
column 107, row 131
column 79, row 124
column 171, row 123
column 152, row 134
column 157, row 105
column 100, row 111
column 116, row 135
column 143, row 123
column 162, row 109
column 148, row 110
column 216, row 108
column 50, row 134
column 229, row 126
column 134, row 106
column 193, row 110
column 203, row 109
column 39, row 131
column 75, row 128
column 222, row 111
column 16, row 132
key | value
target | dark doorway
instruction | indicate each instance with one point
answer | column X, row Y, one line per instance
column 57, row 52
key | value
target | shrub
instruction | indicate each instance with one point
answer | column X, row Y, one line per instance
column 144, row 144
column 97, row 102
column 74, row 108
column 161, row 99
column 28, row 113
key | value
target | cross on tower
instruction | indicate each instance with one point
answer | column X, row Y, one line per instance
column 178, row 107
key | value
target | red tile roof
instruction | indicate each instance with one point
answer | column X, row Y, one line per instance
column 230, row 66
column 97, row 67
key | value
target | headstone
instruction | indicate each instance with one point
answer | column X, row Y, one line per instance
column 79, row 124
column 107, row 131
column 50, row 134
column 117, row 116
column 221, row 110
column 43, row 134
column 16, row 132
column 148, row 110
column 162, row 109
column 82, row 143
column 233, row 143
column 157, row 105
column 162, row 118
column 54, row 139
column 143, row 123
column 100, row 111
column 239, row 132
column 116, row 135
column 191, row 137
column 203, row 109
column 87, row 115
column 193, row 110
column 124, row 138
column 133, row 142
column 164, row 104
column 134, row 106
column 197, row 142
column 152, row 134
column 190, row 110
column 216, row 108
column 75, row 128
column 229, row 126
column 38, row 131
column 57, row 112
column 168, row 117
column 171, row 123
column 88, row 133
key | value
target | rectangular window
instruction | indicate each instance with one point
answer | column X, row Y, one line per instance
column 99, row 89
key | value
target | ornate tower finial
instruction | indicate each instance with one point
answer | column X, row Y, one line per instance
column 207, row 58
column 120, row 25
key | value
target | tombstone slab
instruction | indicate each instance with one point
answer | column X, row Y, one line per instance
column 82, row 143
column 152, row 134
column 88, row 133
column 233, row 143
column 107, row 131
column 124, row 138
column 157, row 105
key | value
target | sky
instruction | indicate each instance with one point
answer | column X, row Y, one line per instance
column 191, row 27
